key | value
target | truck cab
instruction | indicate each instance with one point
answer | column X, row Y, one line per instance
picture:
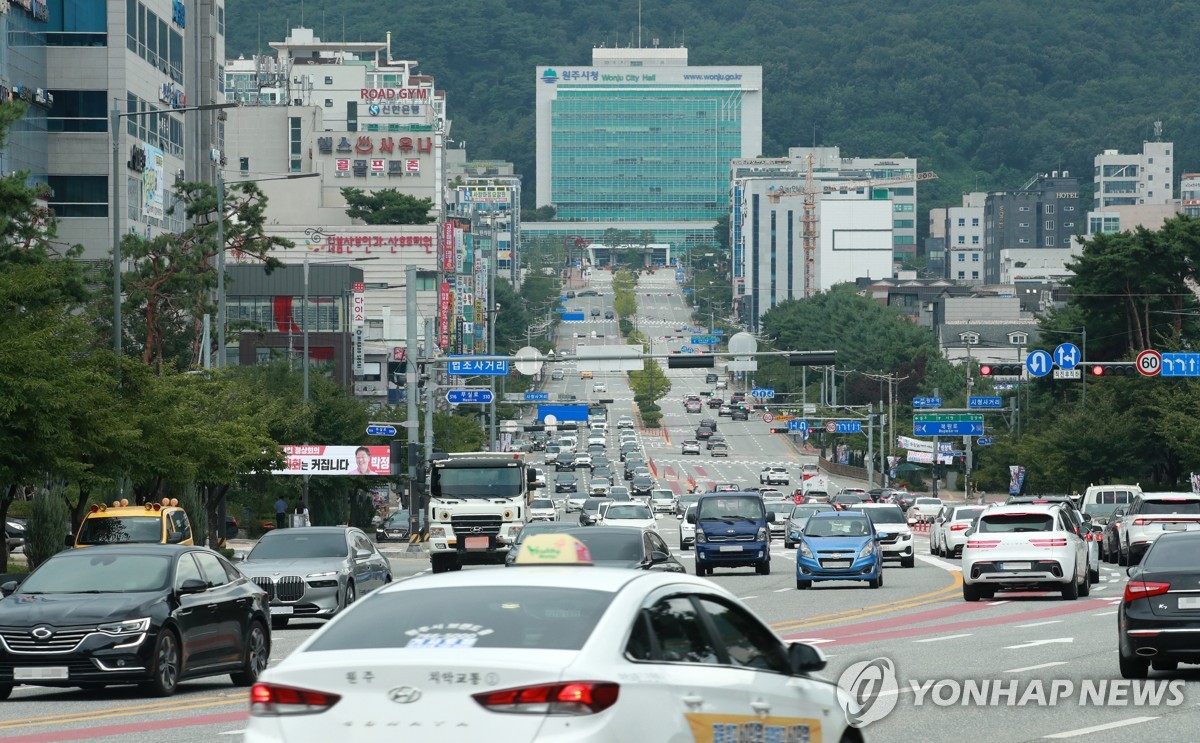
column 478, row 503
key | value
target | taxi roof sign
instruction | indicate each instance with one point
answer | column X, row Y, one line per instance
column 553, row 549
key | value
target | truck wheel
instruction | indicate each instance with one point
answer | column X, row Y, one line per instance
column 441, row 562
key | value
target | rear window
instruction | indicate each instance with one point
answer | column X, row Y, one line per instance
column 1113, row 496
column 1002, row 523
column 532, row 617
column 627, row 512
column 803, row 512
column 1169, row 505
column 892, row 515
column 121, row 530
column 1173, row 554
column 966, row 514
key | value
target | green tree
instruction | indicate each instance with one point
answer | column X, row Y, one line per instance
column 47, row 525
column 387, row 206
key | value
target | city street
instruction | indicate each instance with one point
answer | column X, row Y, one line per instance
column 918, row 620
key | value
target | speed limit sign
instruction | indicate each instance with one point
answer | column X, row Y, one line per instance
column 768, row 418
column 1149, row 363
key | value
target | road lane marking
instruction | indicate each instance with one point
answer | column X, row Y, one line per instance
column 1039, row 643
column 931, row 597
column 1039, row 624
column 1100, row 588
column 106, row 714
column 785, row 590
column 747, row 598
column 997, row 603
column 166, row 705
column 943, row 637
column 939, row 563
column 1037, row 667
column 1102, row 728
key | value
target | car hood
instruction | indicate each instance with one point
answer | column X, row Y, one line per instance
column 291, row 566
column 63, row 609
column 836, row 543
column 639, row 523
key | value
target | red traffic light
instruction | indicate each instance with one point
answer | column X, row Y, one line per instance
column 985, row 370
column 1098, row 371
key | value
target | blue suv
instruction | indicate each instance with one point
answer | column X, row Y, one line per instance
column 732, row 531
column 839, row 545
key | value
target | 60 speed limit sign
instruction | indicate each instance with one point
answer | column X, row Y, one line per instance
column 1149, row 363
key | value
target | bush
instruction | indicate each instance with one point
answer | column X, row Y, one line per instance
column 20, row 509
column 190, row 501
column 49, row 521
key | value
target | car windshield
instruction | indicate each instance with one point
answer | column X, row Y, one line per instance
column 840, row 527
column 890, row 515
column 1002, row 523
column 524, row 617
column 397, row 520
column 731, row 509
column 618, row 544
column 99, row 571
column 663, row 495
column 1173, row 554
column 121, row 530
column 477, row 482
column 803, row 512
column 966, row 514
column 928, row 502
column 1168, row 505
column 593, row 504
column 292, row 544
column 543, row 503
column 628, row 512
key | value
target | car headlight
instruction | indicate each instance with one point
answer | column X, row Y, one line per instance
column 323, row 574
column 867, row 550
column 762, row 534
column 805, row 551
column 700, row 538
column 437, row 531
column 127, row 627
column 905, row 536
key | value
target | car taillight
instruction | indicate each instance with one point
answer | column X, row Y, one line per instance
column 273, row 700
column 1057, row 542
column 570, row 698
column 983, row 544
column 959, row 527
column 1140, row 522
column 1139, row 589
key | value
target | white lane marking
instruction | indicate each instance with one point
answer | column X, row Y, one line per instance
column 746, row 598
column 939, row 563
column 1104, row 614
column 785, row 590
column 1100, row 588
column 232, row 732
column 943, row 637
column 1038, row 643
column 997, row 603
column 1040, row 624
column 1102, row 728
column 1037, row 667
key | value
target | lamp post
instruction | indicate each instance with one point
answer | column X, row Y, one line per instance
column 221, row 183
column 114, row 125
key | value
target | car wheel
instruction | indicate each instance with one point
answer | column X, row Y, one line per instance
column 876, row 582
column 1070, row 592
column 1085, row 587
column 1165, row 665
column 1133, row 667
column 908, row 562
column 279, row 622
column 1122, row 558
column 254, row 662
column 803, row 585
column 701, row 570
column 349, row 597
column 1094, row 575
column 764, row 567
column 971, row 593
column 5, row 690
column 788, row 545
column 164, row 671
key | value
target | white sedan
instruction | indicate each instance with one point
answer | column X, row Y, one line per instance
column 625, row 421
column 617, row 513
column 691, row 446
column 543, row 509
column 546, row 652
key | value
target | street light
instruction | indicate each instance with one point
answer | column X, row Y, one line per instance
column 114, row 126
column 221, row 249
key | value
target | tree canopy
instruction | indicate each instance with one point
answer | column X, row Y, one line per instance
column 387, row 206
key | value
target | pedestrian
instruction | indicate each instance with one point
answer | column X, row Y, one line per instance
column 300, row 517
column 281, row 508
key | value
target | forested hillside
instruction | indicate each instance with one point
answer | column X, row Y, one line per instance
column 985, row 92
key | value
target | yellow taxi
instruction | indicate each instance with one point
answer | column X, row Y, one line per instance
column 585, row 375
column 164, row 522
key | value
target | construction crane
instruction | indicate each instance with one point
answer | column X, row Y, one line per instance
column 810, row 191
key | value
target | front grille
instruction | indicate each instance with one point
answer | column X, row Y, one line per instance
column 289, row 588
column 735, row 538
column 267, row 585
column 62, row 641
column 472, row 526
column 889, row 539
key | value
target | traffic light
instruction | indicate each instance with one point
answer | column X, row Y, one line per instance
column 1000, row 370
column 1113, row 369
column 422, row 377
column 690, row 361
column 397, row 371
column 812, row 358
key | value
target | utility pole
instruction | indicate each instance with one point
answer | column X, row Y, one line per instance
column 870, row 445
column 429, row 354
column 410, row 394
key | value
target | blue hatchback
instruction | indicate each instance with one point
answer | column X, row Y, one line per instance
column 839, row 545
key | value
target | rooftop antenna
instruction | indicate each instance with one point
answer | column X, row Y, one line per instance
column 301, row 13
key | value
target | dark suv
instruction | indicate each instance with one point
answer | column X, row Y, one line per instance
column 565, row 461
column 567, row 482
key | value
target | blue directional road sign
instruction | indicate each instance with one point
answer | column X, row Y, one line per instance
column 1180, row 365
column 477, row 368
column 984, row 441
column 686, row 291
column 1038, row 363
column 795, row 424
column 564, row 413
column 846, row 426
column 704, row 340
column 381, row 430
column 948, row 424
column 473, row 395
column 763, row 393
column 927, row 402
column 536, row 396
column 573, row 317
column 988, row 402
column 1067, row 356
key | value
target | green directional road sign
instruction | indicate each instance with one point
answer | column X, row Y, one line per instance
column 947, row 418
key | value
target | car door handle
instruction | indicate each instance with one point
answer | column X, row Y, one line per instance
column 761, row 708
column 693, row 701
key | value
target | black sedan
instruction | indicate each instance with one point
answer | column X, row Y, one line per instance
column 146, row 614
column 627, row 547
column 1159, row 619
column 395, row 528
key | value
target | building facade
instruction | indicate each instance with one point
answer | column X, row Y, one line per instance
column 1043, row 214
column 963, row 229
column 1146, row 177
column 27, row 28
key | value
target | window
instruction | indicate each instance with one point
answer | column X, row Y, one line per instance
column 77, row 111
column 974, row 239
column 974, row 221
column 79, row 195
column 329, row 80
column 180, row 524
column 962, row 221
column 426, row 281
column 1023, row 241
column 1050, row 242
column 1023, row 209
column 962, row 275
column 962, row 257
column 1049, row 224
column 221, row 20
column 1068, row 225
column 1018, row 339
column 747, row 642
column 904, row 223
column 971, row 339
column 214, row 572
column 1049, row 209
column 1068, row 208
column 82, row 23
column 328, row 103
column 677, row 630
column 244, row 165
column 1024, row 224
column 974, row 257
column 187, row 569
column 962, row 239
column 975, row 275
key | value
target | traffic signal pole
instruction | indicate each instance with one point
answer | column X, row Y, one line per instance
column 410, row 393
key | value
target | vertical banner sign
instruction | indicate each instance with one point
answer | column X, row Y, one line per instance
column 359, row 308
column 458, row 335
column 444, row 315
column 481, row 297
column 152, row 184
column 448, row 250
column 1016, row 479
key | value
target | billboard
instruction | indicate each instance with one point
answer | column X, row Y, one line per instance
column 360, row 328
column 318, row 459
column 152, row 184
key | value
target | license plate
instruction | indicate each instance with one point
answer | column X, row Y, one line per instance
column 282, row 610
column 836, row 564
column 40, row 674
column 476, row 543
column 1174, row 527
column 1189, row 602
column 1016, row 566
column 731, row 548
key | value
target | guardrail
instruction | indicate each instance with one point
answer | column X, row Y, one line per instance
column 845, row 470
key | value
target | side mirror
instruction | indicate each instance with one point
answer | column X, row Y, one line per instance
column 912, row 521
column 1130, row 570
column 193, row 585
column 362, row 555
column 175, row 537
column 585, row 519
column 69, row 540
column 1086, row 516
column 806, row 658
column 7, row 589
column 657, row 558
column 691, row 518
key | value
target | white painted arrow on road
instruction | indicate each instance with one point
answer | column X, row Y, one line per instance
column 1036, row 643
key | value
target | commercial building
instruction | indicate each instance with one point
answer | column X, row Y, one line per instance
column 963, row 229
column 1042, row 214
column 27, row 27
column 156, row 57
column 1141, row 178
column 639, row 137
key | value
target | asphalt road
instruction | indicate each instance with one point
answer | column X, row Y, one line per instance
column 917, row 620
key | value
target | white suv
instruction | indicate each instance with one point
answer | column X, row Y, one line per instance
column 1024, row 547
column 1151, row 515
column 773, row 476
column 662, row 500
column 925, row 509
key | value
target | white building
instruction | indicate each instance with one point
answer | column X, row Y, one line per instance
column 963, row 229
column 1141, row 178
